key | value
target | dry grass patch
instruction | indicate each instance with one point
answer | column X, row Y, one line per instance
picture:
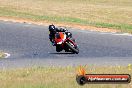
column 2, row 55
column 115, row 14
column 57, row 77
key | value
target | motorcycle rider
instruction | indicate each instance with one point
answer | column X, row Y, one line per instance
column 53, row 30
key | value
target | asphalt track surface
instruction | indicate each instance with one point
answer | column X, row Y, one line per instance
column 29, row 46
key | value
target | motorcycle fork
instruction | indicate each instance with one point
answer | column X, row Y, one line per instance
column 71, row 42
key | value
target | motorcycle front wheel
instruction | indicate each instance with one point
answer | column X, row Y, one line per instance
column 74, row 49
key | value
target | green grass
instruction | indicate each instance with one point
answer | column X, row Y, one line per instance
column 57, row 77
column 115, row 14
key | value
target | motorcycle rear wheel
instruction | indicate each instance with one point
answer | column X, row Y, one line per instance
column 58, row 48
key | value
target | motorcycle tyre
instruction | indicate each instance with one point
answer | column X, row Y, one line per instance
column 74, row 49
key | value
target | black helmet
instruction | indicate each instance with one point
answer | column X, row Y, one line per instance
column 51, row 27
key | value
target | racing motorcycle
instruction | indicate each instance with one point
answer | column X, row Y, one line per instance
column 63, row 42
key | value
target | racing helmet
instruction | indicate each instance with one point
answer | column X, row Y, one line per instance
column 51, row 28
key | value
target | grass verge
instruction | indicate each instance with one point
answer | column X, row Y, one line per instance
column 2, row 55
column 57, row 77
column 69, row 20
column 99, row 13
